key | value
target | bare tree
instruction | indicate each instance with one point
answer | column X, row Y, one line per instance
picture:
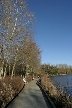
column 18, row 45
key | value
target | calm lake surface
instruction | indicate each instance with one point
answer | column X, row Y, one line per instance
column 63, row 83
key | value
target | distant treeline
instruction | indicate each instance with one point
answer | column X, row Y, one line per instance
column 59, row 69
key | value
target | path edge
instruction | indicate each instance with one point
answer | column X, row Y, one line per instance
column 51, row 102
column 15, row 96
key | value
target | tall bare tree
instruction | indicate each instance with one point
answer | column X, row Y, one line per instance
column 16, row 30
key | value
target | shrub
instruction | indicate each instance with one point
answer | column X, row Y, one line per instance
column 60, row 99
column 9, row 88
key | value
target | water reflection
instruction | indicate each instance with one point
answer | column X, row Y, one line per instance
column 63, row 83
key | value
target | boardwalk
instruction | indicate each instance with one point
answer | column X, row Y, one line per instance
column 30, row 97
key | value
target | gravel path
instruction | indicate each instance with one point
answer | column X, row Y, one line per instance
column 30, row 97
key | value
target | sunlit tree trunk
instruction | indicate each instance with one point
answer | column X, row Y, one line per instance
column 17, row 26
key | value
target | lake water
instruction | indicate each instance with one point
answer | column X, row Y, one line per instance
column 63, row 83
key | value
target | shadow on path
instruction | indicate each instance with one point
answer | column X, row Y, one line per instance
column 32, row 96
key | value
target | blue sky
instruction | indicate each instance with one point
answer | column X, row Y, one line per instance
column 54, row 29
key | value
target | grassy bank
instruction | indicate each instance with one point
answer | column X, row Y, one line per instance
column 59, row 98
column 9, row 88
